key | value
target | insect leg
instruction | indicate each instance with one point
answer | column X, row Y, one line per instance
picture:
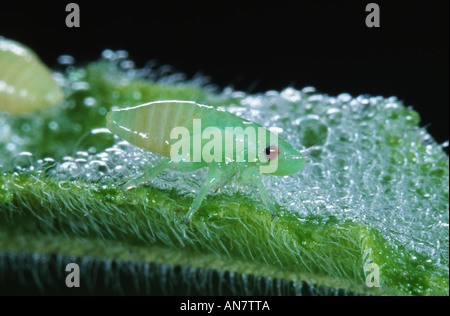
column 254, row 174
column 148, row 175
column 213, row 181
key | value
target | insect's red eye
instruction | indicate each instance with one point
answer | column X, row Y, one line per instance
column 272, row 152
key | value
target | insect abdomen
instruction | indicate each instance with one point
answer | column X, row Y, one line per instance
column 149, row 125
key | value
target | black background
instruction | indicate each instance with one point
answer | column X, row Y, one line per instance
column 262, row 46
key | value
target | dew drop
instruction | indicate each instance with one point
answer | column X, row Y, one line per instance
column 66, row 60
column 53, row 125
column 89, row 101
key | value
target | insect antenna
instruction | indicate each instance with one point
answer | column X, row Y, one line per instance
column 307, row 151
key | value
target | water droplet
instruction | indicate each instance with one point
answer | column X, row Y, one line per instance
column 344, row 97
column 11, row 146
column 291, row 95
column 102, row 111
column 25, row 127
column 89, row 101
column 80, row 85
column 127, row 64
column 23, row 161
column 53, row 125
column 66, row 60
column 121, row 54
column 307, row 90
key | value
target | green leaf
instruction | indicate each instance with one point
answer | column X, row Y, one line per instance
column 374, row 190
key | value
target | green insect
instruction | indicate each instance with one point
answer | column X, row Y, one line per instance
column 194, row 136
column 26, row 84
